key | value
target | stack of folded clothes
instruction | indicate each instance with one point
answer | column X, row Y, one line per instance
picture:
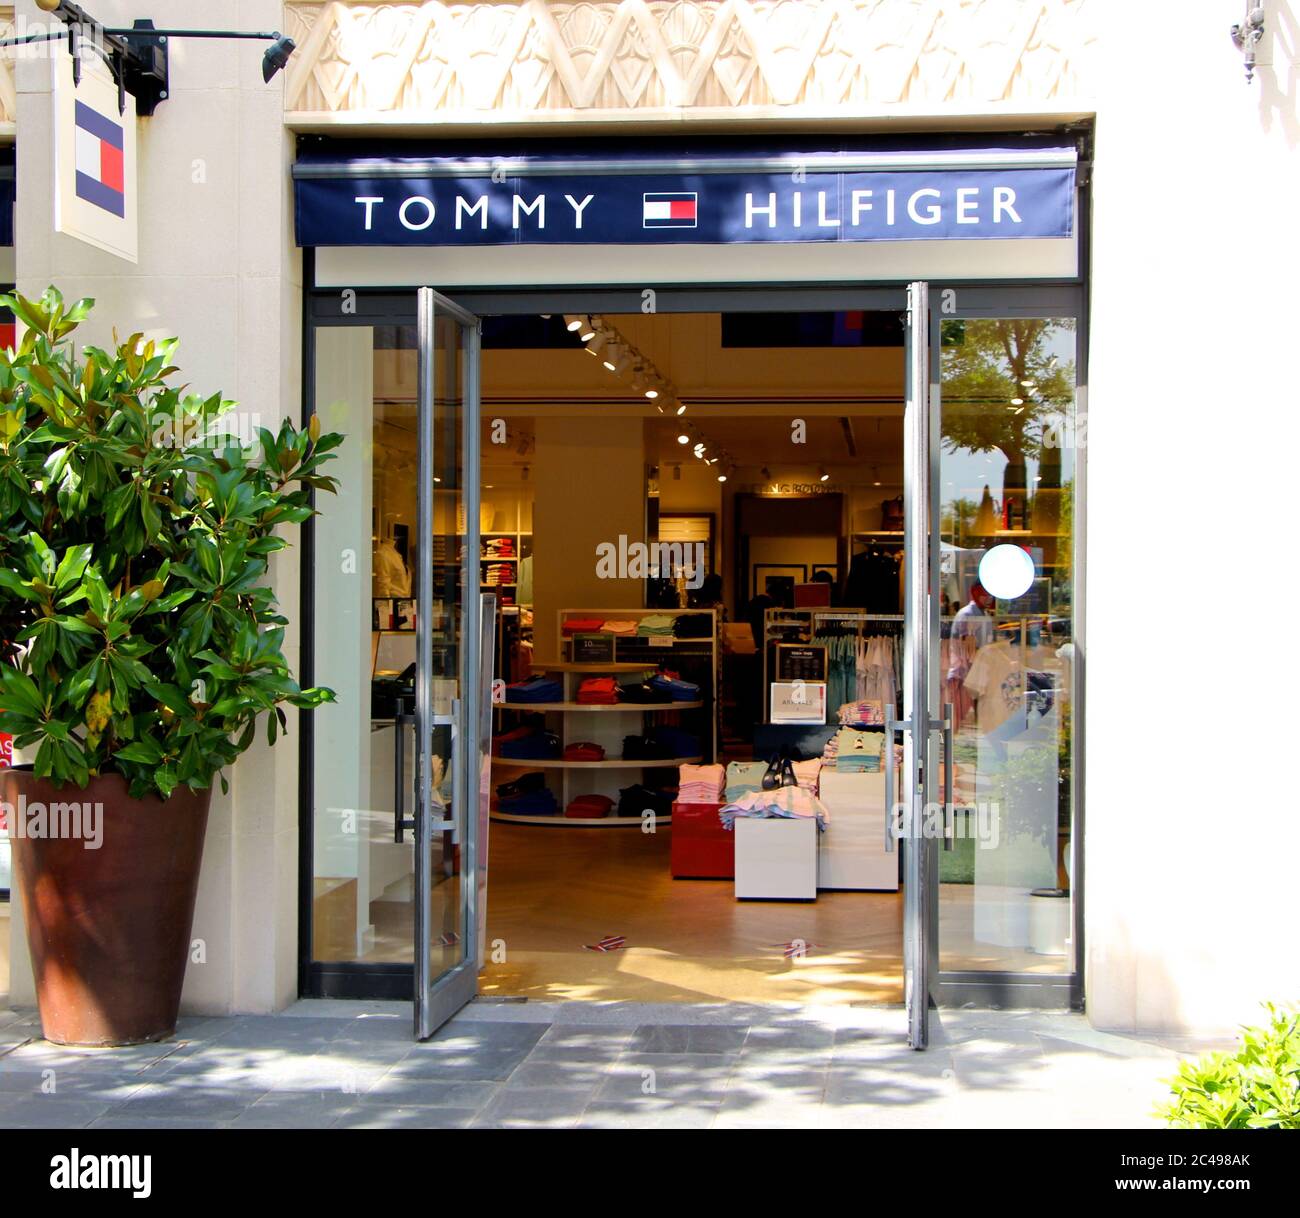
column 679, row 743
column 589, row 807
column 700, row 784
column 655, row 625
column 644, row 694
column 498, row 573
column 863, row 713
column 646, row 748
column 744, row 778
column 808, row 774
column 677, row 689
column 527, row 795
column 693, row 626
column 637, row 800
column 858, row 752
column 598, row 691
column 527, row 744
column 535, row 689
column 499, row 547
column 582, row 625
column 583, row 750
column 621, row 626
column 784, row 803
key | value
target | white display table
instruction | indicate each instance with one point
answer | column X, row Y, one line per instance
column 776, row 859
column 852, row 851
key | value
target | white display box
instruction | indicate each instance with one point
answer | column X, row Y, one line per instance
column 776, row 859
column 852, row 851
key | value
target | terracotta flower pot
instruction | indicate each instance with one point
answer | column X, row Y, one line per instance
column 108, row 927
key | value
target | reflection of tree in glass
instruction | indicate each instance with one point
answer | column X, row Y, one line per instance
column 986, row 363
column 958, row 515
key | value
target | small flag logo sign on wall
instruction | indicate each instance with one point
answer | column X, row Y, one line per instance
column 669, row 210
column 610, row 943
column 100, row 175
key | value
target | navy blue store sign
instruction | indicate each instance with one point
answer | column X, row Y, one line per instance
column 688, row 209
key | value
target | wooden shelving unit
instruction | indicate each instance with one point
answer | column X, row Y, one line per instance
column 607, row 724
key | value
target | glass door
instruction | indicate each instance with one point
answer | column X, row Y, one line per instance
column 453, row 666
column 1004, row 647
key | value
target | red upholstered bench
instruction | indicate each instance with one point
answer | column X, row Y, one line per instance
column 701, row 848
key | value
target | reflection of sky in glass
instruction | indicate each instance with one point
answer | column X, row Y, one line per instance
column 964, row 474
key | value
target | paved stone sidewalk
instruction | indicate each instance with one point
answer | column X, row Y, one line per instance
column 352, row 1064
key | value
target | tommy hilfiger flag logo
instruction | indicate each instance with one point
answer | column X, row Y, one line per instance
column 100, row 169
column 669, row 210
column 610, row 943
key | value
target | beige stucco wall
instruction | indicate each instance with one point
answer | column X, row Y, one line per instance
column 1191, row 875
column 1188, row 853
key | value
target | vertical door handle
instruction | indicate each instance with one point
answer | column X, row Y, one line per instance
column 891, row 795
column 949, row 815
column 399, row 778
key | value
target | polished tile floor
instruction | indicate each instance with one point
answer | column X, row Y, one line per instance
column 576, row 1064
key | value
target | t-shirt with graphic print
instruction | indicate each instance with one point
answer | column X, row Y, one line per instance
column 996, row 679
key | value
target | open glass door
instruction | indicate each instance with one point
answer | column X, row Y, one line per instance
column 454, row 628
column 914, row 822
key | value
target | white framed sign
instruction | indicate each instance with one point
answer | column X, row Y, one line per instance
column 95, row 195
column 798, row 702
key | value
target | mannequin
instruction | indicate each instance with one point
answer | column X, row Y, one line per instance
column 389, row 576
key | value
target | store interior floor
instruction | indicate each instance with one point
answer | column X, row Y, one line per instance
column 553, row 894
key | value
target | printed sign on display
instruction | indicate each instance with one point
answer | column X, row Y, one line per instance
column 94, row 157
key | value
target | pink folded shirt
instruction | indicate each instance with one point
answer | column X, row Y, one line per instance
column 700, row 784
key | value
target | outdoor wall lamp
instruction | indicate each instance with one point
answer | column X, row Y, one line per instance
column 1246, row 36
column 138, row 56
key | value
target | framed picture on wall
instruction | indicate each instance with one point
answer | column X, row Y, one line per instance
column 777, row 580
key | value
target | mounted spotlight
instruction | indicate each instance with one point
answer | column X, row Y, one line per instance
column 586, row 331
column 683, row 438
column 681, row 408
column 597, row 345
column 823, row 475
column 138, row 55
column 276, row 56
column 572, row 322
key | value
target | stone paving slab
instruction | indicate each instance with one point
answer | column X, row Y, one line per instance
column 592, row 1065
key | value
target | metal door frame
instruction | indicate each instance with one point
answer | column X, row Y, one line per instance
column 992, row 989
column 438, row 998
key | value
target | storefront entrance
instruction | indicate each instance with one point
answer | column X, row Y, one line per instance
column 842, row 569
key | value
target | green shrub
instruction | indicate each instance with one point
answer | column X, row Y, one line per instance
column 140, row 632
column 1258, row 1087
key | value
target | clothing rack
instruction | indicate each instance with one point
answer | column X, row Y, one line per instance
column 809, row 619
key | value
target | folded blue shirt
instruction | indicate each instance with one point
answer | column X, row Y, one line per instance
column 535, row 689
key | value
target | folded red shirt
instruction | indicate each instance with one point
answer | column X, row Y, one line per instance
column 598, row 691
column 589, row 807
column 583, row 750
column 582, row 625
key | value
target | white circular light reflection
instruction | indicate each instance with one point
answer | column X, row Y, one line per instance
column 1006, row 571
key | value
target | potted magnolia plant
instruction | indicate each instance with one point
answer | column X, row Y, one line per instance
column 142, row 646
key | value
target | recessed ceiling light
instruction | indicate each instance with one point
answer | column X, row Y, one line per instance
column 683, row 439
column 1017, row 401
column 652, row 393
column 722, row 477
